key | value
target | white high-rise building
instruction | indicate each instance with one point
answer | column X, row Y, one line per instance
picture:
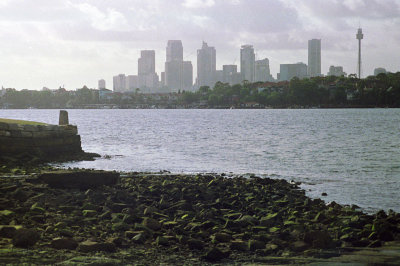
column 119, row 83
column 247, row 62
column 289, row 71
column 178, row 73
column 102, row 84
column 148, row 78
column 314, row 58
column 132, row 82
column 174, row 50
column 206, row 66
column 262, row 71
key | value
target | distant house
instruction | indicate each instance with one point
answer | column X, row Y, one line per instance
column 105, row 94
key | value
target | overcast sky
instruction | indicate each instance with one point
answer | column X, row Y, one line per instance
column 74, row 43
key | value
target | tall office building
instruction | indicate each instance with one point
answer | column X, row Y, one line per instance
column 314, row 58
column 102, row 84
column 187, row 75
column 147, row 62
column 262, row 71
column 119, row 83
column 174, row 50
column 132, row 82
column 289, row 71
column 148, row 78
column 247, row 62
column 178, row 73
column 206, row 66
column 230, row 74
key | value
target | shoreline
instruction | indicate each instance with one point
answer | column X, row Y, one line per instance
column 176, row 218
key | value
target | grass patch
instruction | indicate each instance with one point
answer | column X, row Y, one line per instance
column 21, row 122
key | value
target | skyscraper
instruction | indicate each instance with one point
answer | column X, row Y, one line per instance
column 132, row 82
column 289, row 71
column 147, row 62
column 314, row 58
column 174, row 50
column 119, row 83
column 187, row 75
column 148, row 78
column 262, row 72
column 206, row 66
column 102, row 84
column 230, row 74
column 178, row 73
column 247, row 62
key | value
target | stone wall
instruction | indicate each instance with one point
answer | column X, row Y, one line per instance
column 39, row 140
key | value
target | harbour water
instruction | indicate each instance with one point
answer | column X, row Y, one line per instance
column 353, row 155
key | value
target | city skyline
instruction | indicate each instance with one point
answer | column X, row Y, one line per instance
column 75, row 43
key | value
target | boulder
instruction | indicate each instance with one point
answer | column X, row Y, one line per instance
column 139, row 238
column 64, row 243
column 318, row 239
column 162, row 241
column 79, row 179
column 24, row 238
column 151, row 223
column 222, row 237
column 91, row 246
column 256, row 244
column 239, row 245
column 8, row 231
column 215, row 254
column 195, row 244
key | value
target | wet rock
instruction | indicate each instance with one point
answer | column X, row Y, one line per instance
column 64, row 243
column 222, row 237
column 256, row 244
column 24, row 238
column 239, row 245
column 91, row 246
column 269, row 220
column 80, row 179
column 89, row 213
column 118, row 242
column 318, row 239
column 162, row 241
column 151, row 223
column 139, row 238
column 118, row 227
column 105, row 215
column 66, row 233
column 375, row 244
column 248, row 220
column 299, row 246
column 8, row 231
column 215, row 254
column 35, row 208
column 271, row 248
column 195, row 244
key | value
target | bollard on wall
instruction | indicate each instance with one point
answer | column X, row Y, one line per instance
column 63, row 118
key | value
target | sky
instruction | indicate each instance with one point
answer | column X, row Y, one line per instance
column 71, row 43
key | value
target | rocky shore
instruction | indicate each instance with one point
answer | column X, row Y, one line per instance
column 108, row 218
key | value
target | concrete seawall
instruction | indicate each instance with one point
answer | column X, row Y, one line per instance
column 43, row 140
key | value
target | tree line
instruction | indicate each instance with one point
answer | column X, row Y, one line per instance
column 382, row 90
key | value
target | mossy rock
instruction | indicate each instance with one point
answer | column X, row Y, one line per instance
column 89, row 213
column 24, row 238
